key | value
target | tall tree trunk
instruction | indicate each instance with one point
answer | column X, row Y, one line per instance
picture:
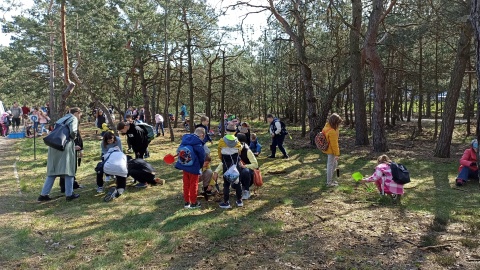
column 356, row 70
column 298, row 38
column 143, row 84
column 420, row 88
column 475, row 20
column 442, row 148
column 190, row 70
column 437, row 88
column 66, row 65
column 375, row 64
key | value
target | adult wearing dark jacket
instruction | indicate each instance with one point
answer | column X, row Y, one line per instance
column 278, row 136
column 137, row 137
column 78, row 153
column 142, row 172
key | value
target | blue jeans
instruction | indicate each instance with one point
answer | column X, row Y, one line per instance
column 47, row 186
column 159, row 125
column 466, row 173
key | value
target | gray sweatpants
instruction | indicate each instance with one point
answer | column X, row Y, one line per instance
column 331, row 166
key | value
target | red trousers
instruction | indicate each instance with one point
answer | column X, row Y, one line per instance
column 190, row 187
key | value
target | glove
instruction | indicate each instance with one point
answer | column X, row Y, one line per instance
column 473, row 164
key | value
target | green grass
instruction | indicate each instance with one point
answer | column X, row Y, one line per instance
column 293, row 216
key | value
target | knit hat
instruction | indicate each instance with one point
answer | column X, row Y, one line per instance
column 231, row 127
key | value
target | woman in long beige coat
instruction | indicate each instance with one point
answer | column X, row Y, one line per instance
column 62, row 163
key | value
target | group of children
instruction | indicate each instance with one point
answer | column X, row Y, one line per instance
column 237, row 162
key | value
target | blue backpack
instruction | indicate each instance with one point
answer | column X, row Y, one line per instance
column 148, row 129
column 185, row 155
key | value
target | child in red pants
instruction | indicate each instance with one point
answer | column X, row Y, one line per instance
column 191, row 156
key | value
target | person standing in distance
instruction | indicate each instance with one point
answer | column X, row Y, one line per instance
column 278, row 136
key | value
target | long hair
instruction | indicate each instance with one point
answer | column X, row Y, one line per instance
column 334, row 120
column 107, row 136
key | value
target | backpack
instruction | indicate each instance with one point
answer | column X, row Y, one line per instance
column 149, row 129
column 6, row 121
column 283, row 127
column 186, row 156
column 400, row 174
column 321, row 141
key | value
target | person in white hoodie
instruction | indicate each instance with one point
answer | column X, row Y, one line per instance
column 115, row 163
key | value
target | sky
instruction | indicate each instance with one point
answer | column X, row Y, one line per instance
column 255, row 21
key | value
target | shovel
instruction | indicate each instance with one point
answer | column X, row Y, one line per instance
column 169, row 159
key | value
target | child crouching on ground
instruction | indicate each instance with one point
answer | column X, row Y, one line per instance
column 255, row 146
column 383, row 178
column 191, row 157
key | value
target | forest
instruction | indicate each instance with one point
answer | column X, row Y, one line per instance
column 375, row 62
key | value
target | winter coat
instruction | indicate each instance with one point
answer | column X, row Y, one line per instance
column 469, row 156
column 228, row 145
column 332, row 138
column 63, row 162
column 199, row 158
column 115, row 162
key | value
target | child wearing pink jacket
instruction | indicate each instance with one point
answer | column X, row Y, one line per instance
column 383, row 177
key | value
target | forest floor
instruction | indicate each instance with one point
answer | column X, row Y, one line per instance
column 293, row 222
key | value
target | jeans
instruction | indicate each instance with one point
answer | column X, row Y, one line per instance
column 159, row 125
column 466, row 173
column 42, row 128
column 47, row 186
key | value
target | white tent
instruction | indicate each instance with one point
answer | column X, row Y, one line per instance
column 2, row 110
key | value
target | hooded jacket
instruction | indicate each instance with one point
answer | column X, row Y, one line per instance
column 198, row 152
column 468, row 157
column 115, row 162
column 228, row 145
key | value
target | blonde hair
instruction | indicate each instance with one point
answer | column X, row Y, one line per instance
column 200, row 131
column 383, row 159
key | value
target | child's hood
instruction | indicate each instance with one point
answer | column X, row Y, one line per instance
column 191, row 139
column 230, row 140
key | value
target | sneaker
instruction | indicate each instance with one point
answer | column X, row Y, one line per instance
column 239, row 203
column 285, row 157
column 246, row 195
column 271, row 156
column 99, row 189
column 141, row 185
column 459, row 182
column 332, row 184
column 187, row 205
column 195, row 205
column 72, row 197
column 43, row 198
column 225, row 205
column 112, row 194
